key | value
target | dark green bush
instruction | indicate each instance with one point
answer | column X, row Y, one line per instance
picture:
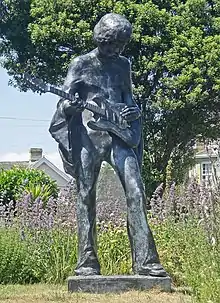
column 16, row 264
column 17, row 180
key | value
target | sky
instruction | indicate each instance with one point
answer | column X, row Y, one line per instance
column 21, row 125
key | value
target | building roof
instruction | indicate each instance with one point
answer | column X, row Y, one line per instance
column 36, row 164
column 203, row 154
column 10, row 164
column 42, row 160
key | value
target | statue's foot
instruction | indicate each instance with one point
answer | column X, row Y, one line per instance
column 87, row 271
column 153, row 269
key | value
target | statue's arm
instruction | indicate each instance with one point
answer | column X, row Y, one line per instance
column 71, row 85
column 131, row 111
column 127, row 92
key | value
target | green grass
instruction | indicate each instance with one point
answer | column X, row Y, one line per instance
column 42, row 293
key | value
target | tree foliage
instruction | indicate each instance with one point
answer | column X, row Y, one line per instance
column 174, row 53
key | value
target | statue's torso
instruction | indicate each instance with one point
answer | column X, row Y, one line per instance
column 104, row 79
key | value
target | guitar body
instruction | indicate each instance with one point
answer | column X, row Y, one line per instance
column 131, row 136
column 129, row 132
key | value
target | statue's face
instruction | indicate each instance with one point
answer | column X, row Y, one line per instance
column 111, row 49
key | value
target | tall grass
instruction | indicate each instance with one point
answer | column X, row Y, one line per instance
column 39, row 243
column 187, row 225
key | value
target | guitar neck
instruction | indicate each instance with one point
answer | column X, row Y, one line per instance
column 91, row 107
column 95, row 109
column 61, row 93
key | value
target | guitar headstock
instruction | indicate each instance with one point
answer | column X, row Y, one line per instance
column 36, row 83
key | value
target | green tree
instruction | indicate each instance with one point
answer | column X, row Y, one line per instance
column 175, row 61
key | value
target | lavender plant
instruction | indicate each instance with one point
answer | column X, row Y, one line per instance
column 40, row 239
column 186, row 223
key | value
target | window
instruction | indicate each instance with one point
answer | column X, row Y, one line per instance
column 206, row 171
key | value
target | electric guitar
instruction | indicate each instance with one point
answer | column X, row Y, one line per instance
column 109, row 118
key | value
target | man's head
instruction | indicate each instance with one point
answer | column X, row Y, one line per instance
column 111, row 34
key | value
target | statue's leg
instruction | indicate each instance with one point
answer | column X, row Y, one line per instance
column 144, row 254
column 87, row 174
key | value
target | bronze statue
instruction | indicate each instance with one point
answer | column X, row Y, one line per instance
column 103, row 123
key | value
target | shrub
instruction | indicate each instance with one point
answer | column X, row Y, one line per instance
column 16, row 266
column 15, row 181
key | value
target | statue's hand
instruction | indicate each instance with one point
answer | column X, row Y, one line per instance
column 71, row 107
column 130, row 113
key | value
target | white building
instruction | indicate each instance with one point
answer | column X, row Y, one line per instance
column 39, row 161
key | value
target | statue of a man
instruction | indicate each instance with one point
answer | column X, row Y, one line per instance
column 103, row 74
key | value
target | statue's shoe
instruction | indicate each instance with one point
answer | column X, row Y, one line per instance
column 153, row 269
column 87, row 271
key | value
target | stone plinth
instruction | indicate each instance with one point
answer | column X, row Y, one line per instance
column 114, row 284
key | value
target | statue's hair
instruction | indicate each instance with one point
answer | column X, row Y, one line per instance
column 112, row 27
